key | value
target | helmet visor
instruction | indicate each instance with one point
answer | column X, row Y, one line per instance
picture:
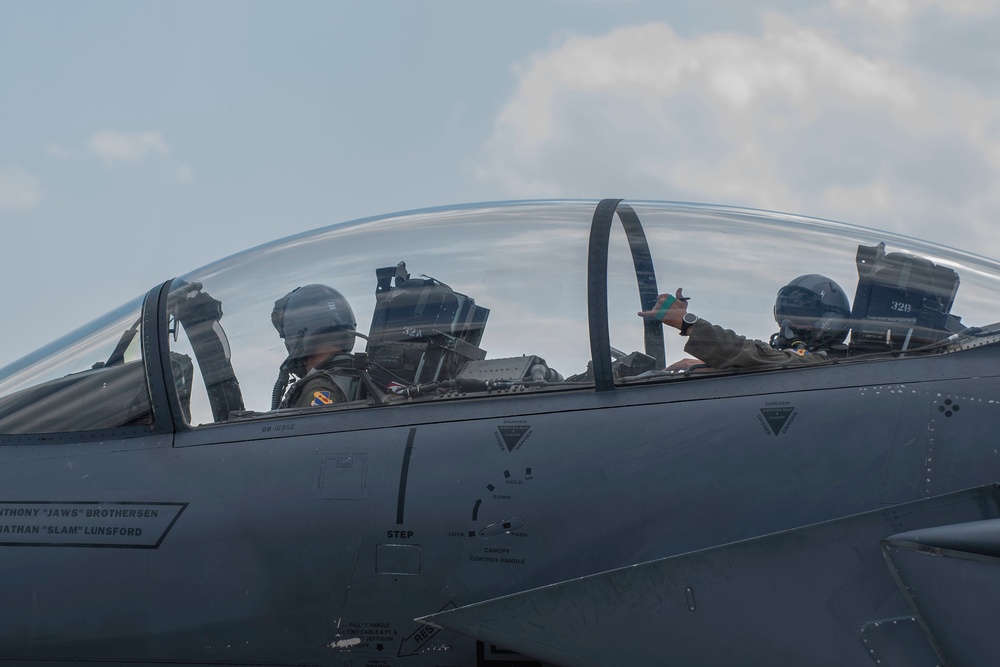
column 799, row 306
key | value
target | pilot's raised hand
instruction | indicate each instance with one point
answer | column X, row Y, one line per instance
column 669, row 309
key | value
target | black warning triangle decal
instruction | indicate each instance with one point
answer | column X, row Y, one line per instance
column 776, row 417
column 512, row 435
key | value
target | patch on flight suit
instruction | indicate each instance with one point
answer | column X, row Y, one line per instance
column 321, row 398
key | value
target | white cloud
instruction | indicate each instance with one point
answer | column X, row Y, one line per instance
column 890, row 11
column 19, row 189
column 57, row 150
column 794, row 119
column 183, row 173
column 898, row 11
column 117, row 146
column 114, row 147
column 728, row 73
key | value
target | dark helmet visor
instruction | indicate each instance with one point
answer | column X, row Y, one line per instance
column 799, row 306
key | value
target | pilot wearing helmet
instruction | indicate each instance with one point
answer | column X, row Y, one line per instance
column 318, row 327
column 813, row 316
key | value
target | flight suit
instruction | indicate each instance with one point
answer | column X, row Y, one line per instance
column 333, row 380
column 723, row 348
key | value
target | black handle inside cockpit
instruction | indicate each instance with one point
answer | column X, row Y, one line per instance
column 597, row 288
column 199, row 314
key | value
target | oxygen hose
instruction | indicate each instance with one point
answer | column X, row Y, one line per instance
column 279, row 388
column 295, row 351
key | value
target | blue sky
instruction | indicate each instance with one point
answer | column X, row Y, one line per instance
column 144, row 139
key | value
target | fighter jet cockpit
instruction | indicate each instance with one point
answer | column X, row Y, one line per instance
column 510, row 301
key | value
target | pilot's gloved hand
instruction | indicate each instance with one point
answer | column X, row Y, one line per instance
column 683, row 365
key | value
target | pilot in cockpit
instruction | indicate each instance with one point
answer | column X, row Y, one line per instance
column 813, row 314
column 318, row 327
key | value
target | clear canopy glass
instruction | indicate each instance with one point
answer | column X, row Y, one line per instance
column 90, row 379
column 524, row 262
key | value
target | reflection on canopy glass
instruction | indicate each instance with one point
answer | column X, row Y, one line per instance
column 473, row 300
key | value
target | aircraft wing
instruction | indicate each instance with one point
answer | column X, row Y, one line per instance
column 819, row 595
column 951, row 577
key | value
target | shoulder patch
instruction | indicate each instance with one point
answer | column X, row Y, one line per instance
column 322, row 398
